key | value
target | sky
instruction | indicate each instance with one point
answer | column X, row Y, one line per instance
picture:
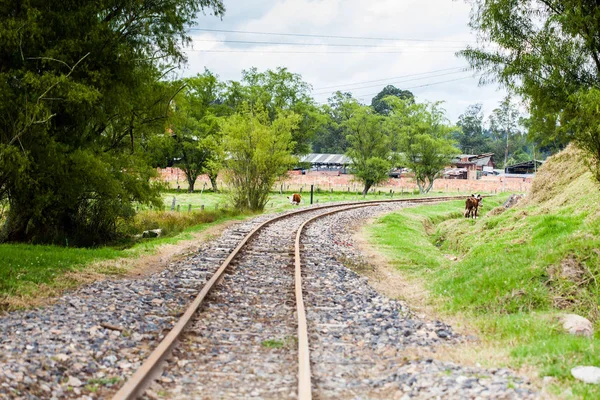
column 416, row 42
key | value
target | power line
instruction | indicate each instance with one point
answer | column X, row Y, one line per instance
column 328, row 36
column 416, row 87
column 315, row 52
column 394, row 77
column 402, row 81
column 317, row 44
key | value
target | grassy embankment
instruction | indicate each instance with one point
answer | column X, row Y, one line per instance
column 515, row 270
column 30, row 271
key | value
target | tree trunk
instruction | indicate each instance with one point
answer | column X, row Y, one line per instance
column 429, row 186
column 420, row 186
column 213, row 182
column 191, row 182
column 15, row 226
column 367, row 187
column 506, row 152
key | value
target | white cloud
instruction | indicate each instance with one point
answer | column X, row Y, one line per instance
column 442, row 20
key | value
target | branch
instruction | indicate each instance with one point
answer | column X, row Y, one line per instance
column 43, row 95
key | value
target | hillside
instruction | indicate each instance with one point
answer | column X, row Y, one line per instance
column 513, row 271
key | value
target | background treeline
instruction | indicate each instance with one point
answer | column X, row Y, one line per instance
column 90, row 108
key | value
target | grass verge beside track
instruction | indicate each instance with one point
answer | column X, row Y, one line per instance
column 31, row 274
column 509, row 273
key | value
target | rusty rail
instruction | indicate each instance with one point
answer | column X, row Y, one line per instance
column 152, row 367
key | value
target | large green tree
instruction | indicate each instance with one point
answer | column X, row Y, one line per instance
column 78, row 82
column 331, row 135
column 379, row 103
column 471, row 136
column 424, row 139
column 548, row 51
column 505, row 123
column 279, row 90
column 195, row 128
column 369, row 147
column 259, row 152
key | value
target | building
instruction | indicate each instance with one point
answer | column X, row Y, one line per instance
column 523, row 168
column 326, row 161
column 470, row 166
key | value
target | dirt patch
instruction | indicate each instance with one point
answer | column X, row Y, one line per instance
column 120, row 268
column 384, row 278
column 571, row 285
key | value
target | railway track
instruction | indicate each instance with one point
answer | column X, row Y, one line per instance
column 259, row 347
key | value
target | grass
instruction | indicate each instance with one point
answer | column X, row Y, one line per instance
column 515, row 270
column 278, row 201
column 38, row 270
column 26, row 266
column 288, row 342
column 273, row 344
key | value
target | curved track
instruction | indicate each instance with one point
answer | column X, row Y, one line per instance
column 152, row 367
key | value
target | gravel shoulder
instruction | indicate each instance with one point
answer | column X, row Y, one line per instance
column 378, row 268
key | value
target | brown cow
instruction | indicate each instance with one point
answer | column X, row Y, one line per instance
column 472, row 205
column 295, row 199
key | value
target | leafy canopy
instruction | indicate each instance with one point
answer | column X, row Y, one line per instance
column 259, row 152
column 275, row 91
column 369, row 146
column 80, row 95
column 548, row 51
column 424, row 139
column 379, row 103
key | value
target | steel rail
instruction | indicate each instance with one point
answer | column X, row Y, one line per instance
column 304, row 375
column 152, row 366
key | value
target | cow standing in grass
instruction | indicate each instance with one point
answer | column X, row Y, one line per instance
column 295, row 199
column 472, row 206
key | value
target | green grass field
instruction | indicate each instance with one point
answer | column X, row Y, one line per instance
column 277, row 202
column 515, row 270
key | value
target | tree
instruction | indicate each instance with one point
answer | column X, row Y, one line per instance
column 504, row 123
column 369, row 147
column 195, row 128
column 381, row 106
column 423, row 138
column 276, row 91
column 79, row 87
column 331, row 136
column 260, row 152
column 548, row 52
column 471, row 137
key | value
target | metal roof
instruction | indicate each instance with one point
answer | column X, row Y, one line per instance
column 326, row 159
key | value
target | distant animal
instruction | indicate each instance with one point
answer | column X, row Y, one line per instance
column 472, row 205
column 295, row 199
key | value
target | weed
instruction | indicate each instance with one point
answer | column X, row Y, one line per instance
column 273, row 344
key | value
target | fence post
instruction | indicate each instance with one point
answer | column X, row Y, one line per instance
column 178, row 207
column 189, row 208
column 312, row 189
column 173, row 204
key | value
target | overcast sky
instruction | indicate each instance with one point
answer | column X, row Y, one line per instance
column 426, row 34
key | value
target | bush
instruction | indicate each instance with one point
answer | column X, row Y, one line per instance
column 171, row 222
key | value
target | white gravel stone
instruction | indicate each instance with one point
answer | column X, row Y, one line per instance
column 587, row 374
